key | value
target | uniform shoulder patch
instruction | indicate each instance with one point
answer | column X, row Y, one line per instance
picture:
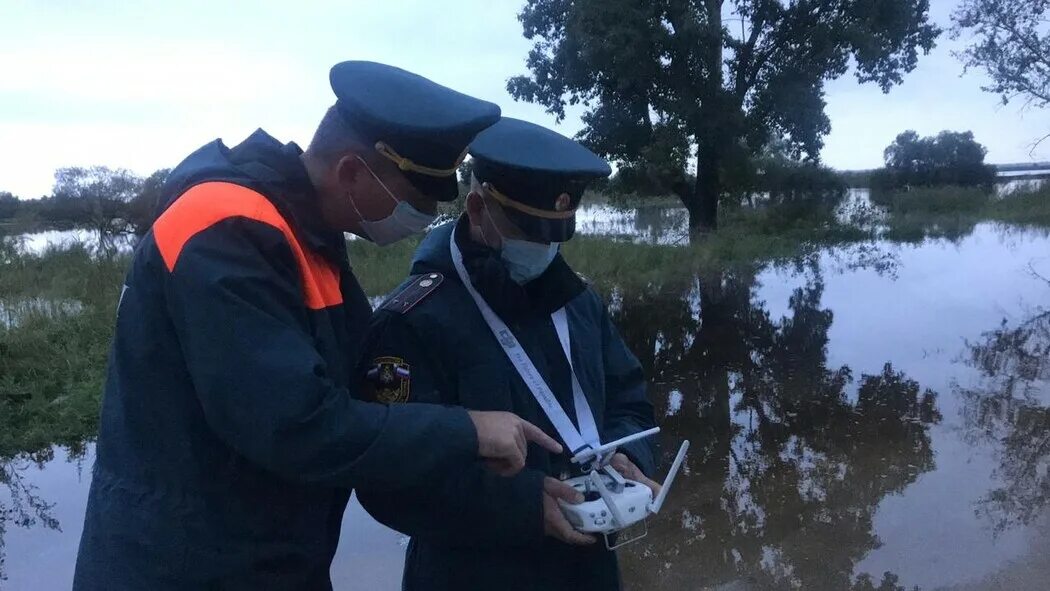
column 415, row 291
column 391, row 378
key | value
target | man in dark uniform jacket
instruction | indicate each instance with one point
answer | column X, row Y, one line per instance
column 429, row 343
column 229, row 439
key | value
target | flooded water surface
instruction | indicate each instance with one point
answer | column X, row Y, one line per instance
column 855, row 423
column 853, row 427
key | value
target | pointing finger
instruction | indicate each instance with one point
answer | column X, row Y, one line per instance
column 535, row 434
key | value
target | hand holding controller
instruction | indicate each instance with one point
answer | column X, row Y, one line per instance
column 612, row 502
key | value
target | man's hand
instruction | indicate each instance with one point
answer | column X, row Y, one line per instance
column 554, row 523
column 503, row 440
column 628, row 470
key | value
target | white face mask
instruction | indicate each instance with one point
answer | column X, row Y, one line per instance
column 523, row 259
column 402, row 222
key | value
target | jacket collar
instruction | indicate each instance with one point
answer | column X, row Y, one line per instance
column 278, row 171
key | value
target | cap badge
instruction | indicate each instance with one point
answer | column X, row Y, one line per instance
column 563, row 203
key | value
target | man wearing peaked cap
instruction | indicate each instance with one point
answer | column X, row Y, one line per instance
column 536, row 176
column 417, row 125
column 229, row 437
column 430, row 342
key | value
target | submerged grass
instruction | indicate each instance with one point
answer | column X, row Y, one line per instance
column 1023, row 207
column 952, row 212
column 935, row 201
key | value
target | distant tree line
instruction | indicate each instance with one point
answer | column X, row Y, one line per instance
column 8, row 205
column 117, row 202
column 108, row 201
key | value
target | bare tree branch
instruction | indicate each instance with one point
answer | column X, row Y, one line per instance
column 1033, row 272
column 1032, row 147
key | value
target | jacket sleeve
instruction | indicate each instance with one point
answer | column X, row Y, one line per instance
column 468, row 505
column 238, row 311
column 627, row 406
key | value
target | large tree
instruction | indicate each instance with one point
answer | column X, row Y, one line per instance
column 665, row 81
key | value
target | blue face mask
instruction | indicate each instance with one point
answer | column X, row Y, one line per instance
column 523, row 259
column 402, row 222
column 526, row 260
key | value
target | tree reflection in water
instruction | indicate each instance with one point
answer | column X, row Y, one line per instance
column 788, row 462
column 22, row 506
column 1011, row 406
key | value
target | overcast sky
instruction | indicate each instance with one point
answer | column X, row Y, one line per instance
column 139, row 85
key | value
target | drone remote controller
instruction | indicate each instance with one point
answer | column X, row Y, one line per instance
column 612, row 502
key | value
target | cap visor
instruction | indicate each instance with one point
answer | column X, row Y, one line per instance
column 443, row 188
column 545, row 230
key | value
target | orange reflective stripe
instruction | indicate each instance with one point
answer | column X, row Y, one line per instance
column 207, row 204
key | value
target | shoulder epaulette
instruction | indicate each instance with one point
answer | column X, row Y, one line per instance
column 416, row 289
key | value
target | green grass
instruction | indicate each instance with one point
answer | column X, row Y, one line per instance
column 380, row 270
column 633, row 267
column 52, row 368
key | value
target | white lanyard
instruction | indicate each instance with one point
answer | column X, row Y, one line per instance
column 588, row 427
column 572, row 437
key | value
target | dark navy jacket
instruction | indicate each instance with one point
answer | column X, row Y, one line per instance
column 229, row 440
column 472, row 529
